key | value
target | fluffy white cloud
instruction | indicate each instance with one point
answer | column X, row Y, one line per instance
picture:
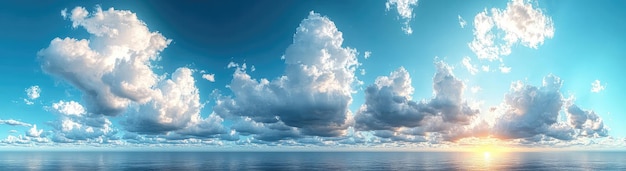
column 209, row 77
column 34, row 132
column 596, row 86
column 68, row 108
column 520, row 23
column 462, row 22
column 314, row 94
column 113, row 67
column 367, row 54
column 405, row 10
column 388, row 106
column 33, row 93
column 176, row 105
column 14, row 123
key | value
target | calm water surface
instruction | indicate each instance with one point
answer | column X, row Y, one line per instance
column 311, row 161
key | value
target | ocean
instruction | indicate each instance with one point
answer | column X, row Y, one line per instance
column 328, row 161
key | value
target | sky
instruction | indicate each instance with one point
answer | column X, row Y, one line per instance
column 395, row 74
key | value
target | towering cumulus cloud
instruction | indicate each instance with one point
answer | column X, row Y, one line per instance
column 113, row 70
column 388, row 105
column 112, row 67
column 313, row 95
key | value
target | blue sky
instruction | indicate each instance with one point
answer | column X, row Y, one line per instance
column 350, row 74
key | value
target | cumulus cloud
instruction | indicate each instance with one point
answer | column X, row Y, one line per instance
column 367, row 54
column 314, row 94
column 176, row 106
column 34, row 132
column 596, row 86
column 388, row 105
column 33, row 92
column 112, row 67
column 114, row 71
column 588, row 122
column 497, row 30
column 68, row 108
column 462, row 22
column 405, row 10
column 74, row 124
column 532, row 113
column 209, row 77
column 14, row 122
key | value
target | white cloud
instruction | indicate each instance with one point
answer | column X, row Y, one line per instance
column 113, row 67
column 596, row 86
column 13, row 122
column 520, row 23
column 531, row 113
column 69, row 108
column 367, row 54
column 468, row 65
column 462, row 22
column 314, row 93
column 34, row 132
column 113, row 70
column 33, row 92
column 209, row 77
column 175, row 106
column 505, row 69
column 405, row 10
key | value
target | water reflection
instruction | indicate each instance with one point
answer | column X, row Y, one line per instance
column 312, row 161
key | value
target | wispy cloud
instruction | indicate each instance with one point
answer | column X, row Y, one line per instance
column 405, row 10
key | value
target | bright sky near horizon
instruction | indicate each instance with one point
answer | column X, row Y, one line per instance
column 307, row 74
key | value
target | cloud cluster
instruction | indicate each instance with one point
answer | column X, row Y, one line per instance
column 74, row 124
column 114, row 71
column 389, row 110
column 314, row 94
column 496, row 32
column 405, row 10
column 532, row 113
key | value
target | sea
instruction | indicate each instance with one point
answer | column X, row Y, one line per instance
column 327, row 161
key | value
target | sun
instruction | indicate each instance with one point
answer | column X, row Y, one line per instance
column 487, row 154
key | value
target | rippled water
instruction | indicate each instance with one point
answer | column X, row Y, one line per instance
column 311, row 161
